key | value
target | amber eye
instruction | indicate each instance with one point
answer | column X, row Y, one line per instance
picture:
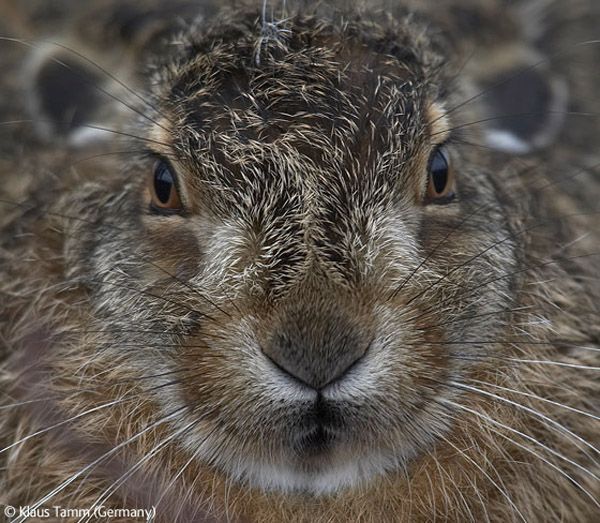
column 440, row 186
column 163, row 189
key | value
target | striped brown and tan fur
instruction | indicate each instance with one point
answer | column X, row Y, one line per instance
column 310, row 339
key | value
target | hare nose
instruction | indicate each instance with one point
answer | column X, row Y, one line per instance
column 315, row 347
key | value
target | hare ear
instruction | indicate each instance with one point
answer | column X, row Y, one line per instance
column 525, row 103
column 64, row 96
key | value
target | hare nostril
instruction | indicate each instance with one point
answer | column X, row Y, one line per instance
column 285, row 370
column 314, row 380
column 316, row 350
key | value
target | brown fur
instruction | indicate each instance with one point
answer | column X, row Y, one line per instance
column 302, row 149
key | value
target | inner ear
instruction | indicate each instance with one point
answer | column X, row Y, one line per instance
column 63, row 95
column 525, row 107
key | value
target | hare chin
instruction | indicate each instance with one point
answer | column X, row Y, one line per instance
column 332, row 478
column 326, row 478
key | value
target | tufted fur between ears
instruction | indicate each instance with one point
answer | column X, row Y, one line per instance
column 524, row 100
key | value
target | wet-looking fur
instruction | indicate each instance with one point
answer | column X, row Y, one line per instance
column 310, row 339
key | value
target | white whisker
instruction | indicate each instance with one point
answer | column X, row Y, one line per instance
column 90, row 466
column 536, row 413
column 529, row 450
column 116, row 484
column 502, row 491
column 540, row 398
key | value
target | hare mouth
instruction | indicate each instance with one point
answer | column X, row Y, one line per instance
column 318, row 450
column 315, row 441
column 320, row 429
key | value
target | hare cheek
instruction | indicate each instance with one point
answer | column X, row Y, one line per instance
column 173, row 247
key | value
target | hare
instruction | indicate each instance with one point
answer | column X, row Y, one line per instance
column 300, row 262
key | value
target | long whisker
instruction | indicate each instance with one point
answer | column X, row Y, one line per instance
column 89, row 126
column 535, row 412
column 494, row 246
column 472, row 214
column 104, row 155
column 509, row 341
column 551, row 363
column 150, row 262
column 472, row 290
column 506, row 310
column 538, row 398
column 489, row 420
column 517, row 75
column 84, row 79
column 131, row 397
column 151, row 295
column 512, row 116
column 101, row 386
column 178, row 304
column 173, row 415
column 62, row 423
column 155, row 345
column 501, row 490
column 121, row 480
column 554, row 363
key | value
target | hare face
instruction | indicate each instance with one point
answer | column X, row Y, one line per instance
column 302, row 206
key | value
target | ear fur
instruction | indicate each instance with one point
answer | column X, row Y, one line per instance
column 525, row 102
column 64, row 95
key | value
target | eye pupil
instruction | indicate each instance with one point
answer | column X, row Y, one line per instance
column 439, row 171
column 163, row 182
column 441, row 178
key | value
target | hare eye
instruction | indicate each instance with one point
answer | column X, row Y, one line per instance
column 440, row 185
column 163, row 189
